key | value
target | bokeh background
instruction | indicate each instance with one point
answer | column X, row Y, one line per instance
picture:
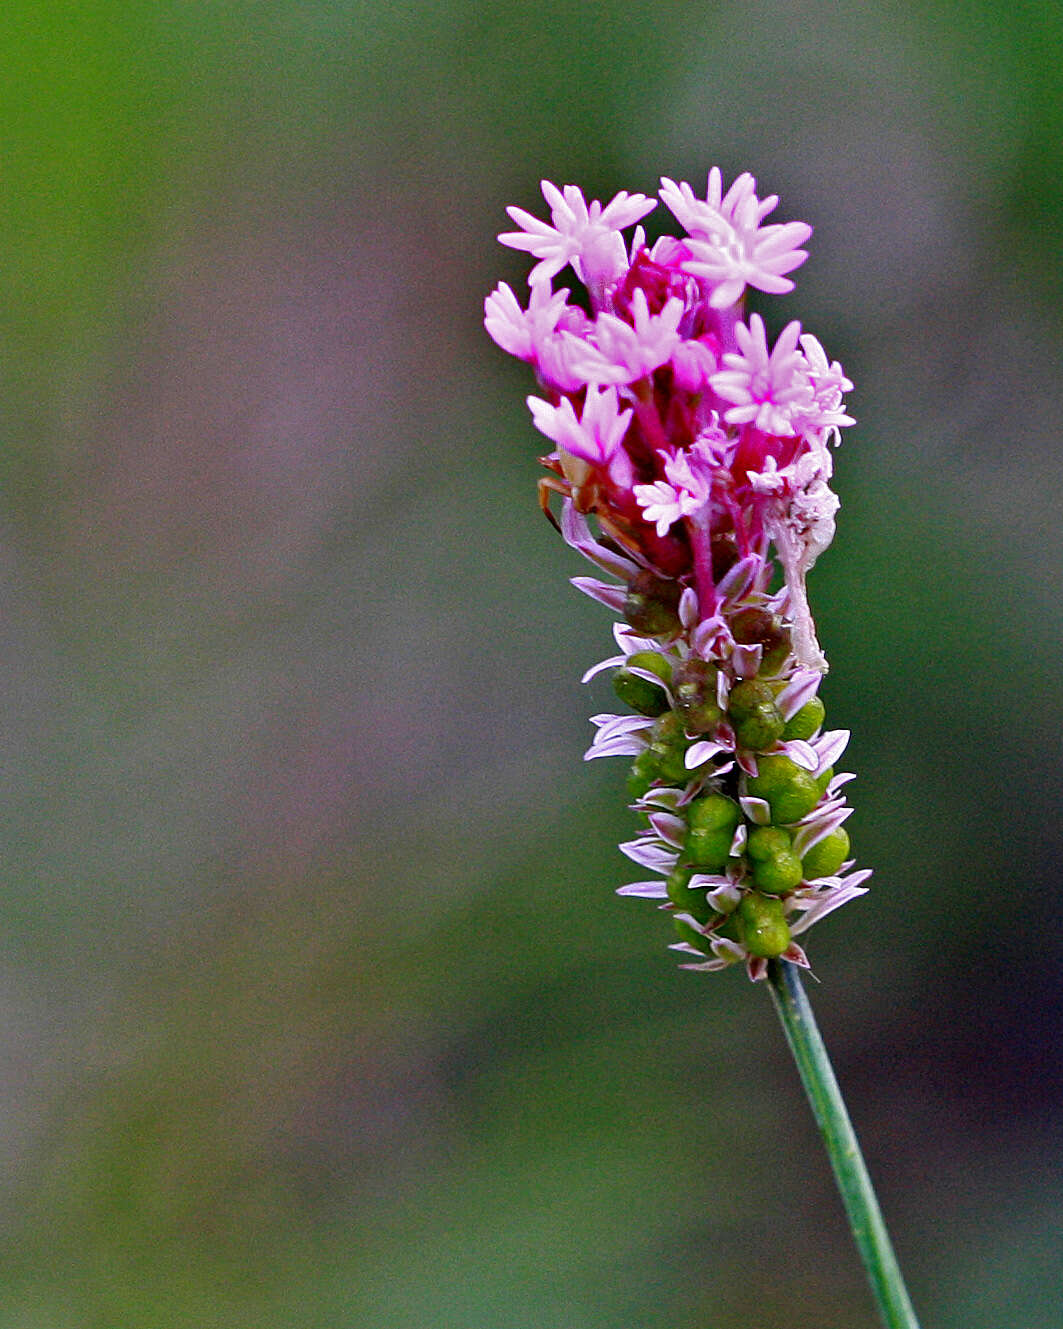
column 316, row 1006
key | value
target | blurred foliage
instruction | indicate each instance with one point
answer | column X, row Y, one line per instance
column 318, row 1007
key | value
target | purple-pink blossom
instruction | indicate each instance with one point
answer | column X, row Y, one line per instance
column 595, row 436
column 617, row 351
column 728, row 245
column 587, row 236
column 768, row 389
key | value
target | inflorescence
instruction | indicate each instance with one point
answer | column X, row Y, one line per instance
column 703, row 456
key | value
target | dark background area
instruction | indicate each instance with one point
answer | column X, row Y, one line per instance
column 316, row 1006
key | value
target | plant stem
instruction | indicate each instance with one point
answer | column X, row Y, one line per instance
column 828, row 1107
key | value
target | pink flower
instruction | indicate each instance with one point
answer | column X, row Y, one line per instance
column 828, row 385
column 729, row 248
column 769, row 391
column 687, row 486
column 620, row 352
column 523, row 333
column 596, row 436
column 588, row 237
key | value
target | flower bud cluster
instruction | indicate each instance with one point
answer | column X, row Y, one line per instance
column 703, row 459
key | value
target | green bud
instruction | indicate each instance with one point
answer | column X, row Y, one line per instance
column 766, row 841
column 747, row 697
column 642, row 774
column 827, row 855
column 760, row 730
column 651, row 605
column 654, row 661
column 694, row 689
column 778, row 874
column 823, row 780
column 713, row 812
column 686, row 900
column 789, row 790
column 668, row 744
column 756, row 717
column 763, row 926
column 639, row 693
column 708, row 849
column 807, row 720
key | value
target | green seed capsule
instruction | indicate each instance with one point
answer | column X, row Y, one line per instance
column 747, row 697
column 708, row 849
column 807, row 720
column 688, row 901
column 672, row 766
column 651, row 605
column 763, row 926
column 827, row 855
column 766, row 841
column 778, row 874
column 789, row 790
column 694, row 689
column 713, row 812
column 761, row 730
column 654, row 661
column 668, row 744
column 639, row 693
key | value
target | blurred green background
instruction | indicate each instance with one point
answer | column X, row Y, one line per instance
column 317, row 1007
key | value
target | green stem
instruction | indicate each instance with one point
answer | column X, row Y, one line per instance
column 828, row 1107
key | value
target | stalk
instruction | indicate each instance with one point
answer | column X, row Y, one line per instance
column 828, row 1107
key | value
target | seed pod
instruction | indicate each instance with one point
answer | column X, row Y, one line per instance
column 642, row 774
column 713, row 812
column 694, row 690
column 766, row 841
column 789, row 790
column 751, row 626
column 778, row 874
column 757, row 720
column 709, row 849
column 763, row 926
column 691, row 935
column 827, row 855
column 668, row 746
column 760, row 730
column 807, row 720
column 639, row 693
column 688, row 901
column 651, row 605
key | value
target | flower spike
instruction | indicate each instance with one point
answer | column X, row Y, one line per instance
column 693, row 460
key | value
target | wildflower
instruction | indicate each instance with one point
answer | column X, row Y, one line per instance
column 702, row 456
column 588, row 237
column 728, row 248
